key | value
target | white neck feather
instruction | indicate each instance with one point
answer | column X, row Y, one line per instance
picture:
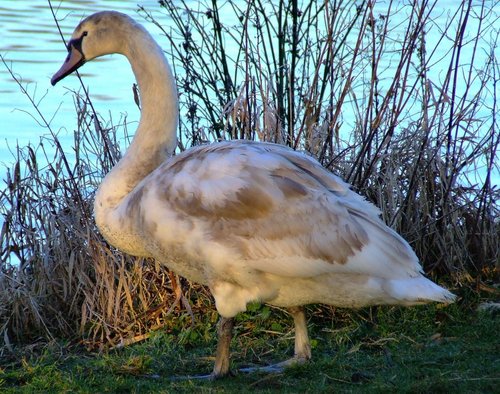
column 155, row 138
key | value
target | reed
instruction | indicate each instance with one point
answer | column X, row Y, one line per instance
column 311, row 75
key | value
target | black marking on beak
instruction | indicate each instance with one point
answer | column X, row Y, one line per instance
column 73, row 61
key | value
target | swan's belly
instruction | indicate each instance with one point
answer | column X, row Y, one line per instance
column 341, row 290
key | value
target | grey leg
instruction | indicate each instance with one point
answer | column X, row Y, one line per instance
column 225, row 333
column 221, row 367
column 302, row 345
column 302, row 351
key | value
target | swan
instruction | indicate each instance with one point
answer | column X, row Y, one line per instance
column 253, row 221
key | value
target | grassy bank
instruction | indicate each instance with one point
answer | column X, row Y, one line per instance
column 424, row 349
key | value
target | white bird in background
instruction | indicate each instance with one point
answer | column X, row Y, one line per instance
column 255, row 222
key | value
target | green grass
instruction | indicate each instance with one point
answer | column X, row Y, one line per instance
column 422, row 349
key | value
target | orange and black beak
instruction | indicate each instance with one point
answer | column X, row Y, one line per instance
column 73, row 61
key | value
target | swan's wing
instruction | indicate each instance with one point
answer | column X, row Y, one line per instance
column 280, row 212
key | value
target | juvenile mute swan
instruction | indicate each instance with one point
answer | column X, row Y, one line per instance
column 252, row 221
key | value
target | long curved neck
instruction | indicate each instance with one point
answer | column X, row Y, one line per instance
column 155, row 138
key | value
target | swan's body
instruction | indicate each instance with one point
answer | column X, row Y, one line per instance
column 253, row 221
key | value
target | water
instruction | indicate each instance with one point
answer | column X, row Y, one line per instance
column 33, row 49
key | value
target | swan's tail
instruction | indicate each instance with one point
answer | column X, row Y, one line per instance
column 418, row 290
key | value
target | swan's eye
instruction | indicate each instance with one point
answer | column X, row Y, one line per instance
column 77, row 43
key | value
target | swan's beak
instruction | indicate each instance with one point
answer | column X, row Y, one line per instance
column 74, row 60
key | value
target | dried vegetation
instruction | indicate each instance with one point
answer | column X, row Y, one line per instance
column 359, row 86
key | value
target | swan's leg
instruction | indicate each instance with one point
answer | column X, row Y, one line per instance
column 302, row 346
column 225, row 333
column 221, row 367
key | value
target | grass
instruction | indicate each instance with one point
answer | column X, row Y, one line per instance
column 386, row 349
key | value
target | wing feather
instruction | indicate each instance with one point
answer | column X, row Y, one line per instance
column 281, row 212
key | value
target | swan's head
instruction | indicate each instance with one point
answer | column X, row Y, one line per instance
column 99, row 34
